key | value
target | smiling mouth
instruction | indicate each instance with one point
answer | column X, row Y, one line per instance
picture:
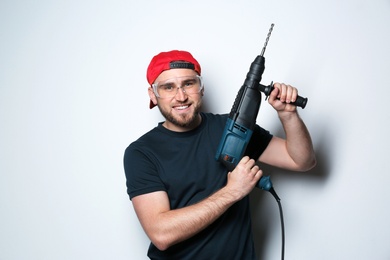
column 181, row 107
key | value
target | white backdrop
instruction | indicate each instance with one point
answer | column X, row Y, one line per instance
column 73, row 96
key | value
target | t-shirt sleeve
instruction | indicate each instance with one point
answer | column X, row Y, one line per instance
column 141, row 174
column 258, row 142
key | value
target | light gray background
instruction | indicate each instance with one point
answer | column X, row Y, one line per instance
column 73, row 95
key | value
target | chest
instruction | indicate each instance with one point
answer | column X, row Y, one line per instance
column 189, row 171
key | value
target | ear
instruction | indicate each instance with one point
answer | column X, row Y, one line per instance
column 152, row 96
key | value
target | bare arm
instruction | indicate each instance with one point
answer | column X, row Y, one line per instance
column 166, row 227
column 296, row 151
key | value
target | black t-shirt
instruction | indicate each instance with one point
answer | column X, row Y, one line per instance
column 183, row 165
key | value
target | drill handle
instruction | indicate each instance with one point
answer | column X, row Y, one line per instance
column 300, row 102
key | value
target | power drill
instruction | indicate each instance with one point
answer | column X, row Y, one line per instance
column 242, row 118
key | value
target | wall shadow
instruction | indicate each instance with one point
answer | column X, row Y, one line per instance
column 265, row 211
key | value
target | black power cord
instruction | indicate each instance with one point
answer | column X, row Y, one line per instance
column 272, row 191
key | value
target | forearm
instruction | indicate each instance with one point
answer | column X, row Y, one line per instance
column 166, row 227
column 173, row 226
column 298, row 141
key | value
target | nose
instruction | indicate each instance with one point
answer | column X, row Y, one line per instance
column 180, row 94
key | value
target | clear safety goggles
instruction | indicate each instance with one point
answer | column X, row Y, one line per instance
column 169, row 88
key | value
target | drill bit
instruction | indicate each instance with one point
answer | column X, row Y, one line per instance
column 267, row 39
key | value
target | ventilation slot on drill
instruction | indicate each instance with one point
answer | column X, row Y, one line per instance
column 240, row 128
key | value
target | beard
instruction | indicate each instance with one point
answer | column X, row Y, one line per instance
column 183, row 120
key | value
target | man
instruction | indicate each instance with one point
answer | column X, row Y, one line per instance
column 187, row 203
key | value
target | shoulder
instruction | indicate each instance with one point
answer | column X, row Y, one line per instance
column 147, row 137
column 141, row 146
column 211, row 118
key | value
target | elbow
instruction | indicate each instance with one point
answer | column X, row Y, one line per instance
column 304, row 163
column 161, row 241
column 161, row 246
column 310, row 164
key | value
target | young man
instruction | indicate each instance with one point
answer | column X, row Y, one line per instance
column 188, row 204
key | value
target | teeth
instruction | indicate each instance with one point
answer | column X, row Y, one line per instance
column 181, row 108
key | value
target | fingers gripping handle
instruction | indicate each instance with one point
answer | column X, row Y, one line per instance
column 300, row 102
column 264, row 183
